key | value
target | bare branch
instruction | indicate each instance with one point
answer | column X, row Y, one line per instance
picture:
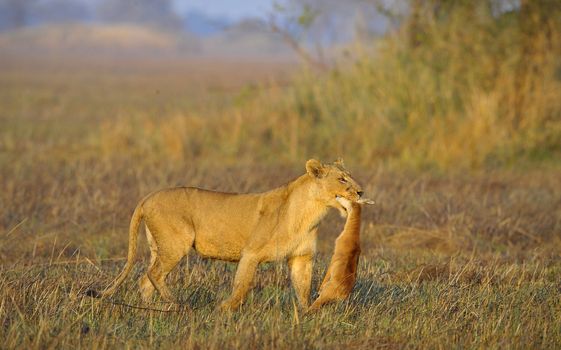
column 295, row 45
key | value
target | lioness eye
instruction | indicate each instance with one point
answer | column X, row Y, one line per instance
column 342, row 180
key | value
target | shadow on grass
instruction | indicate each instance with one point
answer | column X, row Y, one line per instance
column 368, row 292
column 198, row 297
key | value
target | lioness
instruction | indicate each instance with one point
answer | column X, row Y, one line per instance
column 341, row 274
column 250, row 228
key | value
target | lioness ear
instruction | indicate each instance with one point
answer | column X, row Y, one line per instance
column 315, row 168
column 339, row 162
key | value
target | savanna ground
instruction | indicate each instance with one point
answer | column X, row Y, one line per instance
column 462, row 249
column 449, row 258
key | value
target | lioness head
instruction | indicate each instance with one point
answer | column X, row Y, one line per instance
column 334, row 181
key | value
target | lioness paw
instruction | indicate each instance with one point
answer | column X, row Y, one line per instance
column 229, row 305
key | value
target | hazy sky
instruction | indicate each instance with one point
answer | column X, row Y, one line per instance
column 232, row 9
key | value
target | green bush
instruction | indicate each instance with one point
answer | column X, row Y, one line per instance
column 455, row 85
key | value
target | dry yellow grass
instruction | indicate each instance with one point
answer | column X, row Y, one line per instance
column 463, row 260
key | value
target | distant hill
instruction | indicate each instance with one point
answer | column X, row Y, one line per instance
column 95, row 39
column 244, row 39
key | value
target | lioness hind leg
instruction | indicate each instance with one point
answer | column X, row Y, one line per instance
column 146, row 286
column 172, row 241
column 158, row 273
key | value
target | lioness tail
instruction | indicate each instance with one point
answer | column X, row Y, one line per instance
column 133, row 235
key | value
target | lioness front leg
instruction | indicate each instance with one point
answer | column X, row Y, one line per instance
column 242, row 282
column 301, row 276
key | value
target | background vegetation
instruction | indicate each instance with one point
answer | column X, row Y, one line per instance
column 452, row 121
